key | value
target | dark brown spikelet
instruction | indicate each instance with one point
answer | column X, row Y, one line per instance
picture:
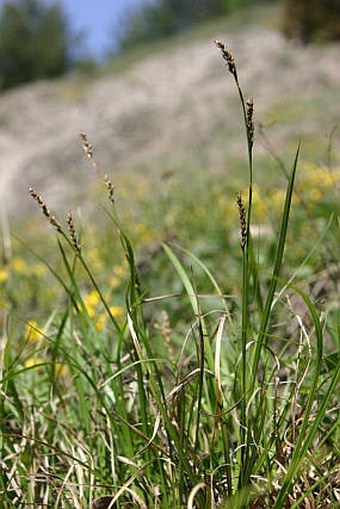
column 45, row 210
column 227, row 56
column 72, row 232
column 250, row 122
column 88, row 149
column 243, row 220
column 110, row 189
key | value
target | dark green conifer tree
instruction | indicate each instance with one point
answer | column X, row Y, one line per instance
column 34, row 42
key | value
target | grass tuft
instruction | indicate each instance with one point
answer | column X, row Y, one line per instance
column 161, row 376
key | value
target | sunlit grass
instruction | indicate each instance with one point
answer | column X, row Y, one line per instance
column 161, row 358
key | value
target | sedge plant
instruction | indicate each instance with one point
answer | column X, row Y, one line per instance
column 238, row 416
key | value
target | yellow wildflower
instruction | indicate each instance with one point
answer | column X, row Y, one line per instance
column 60, row 369
column 102, row 318
column 260, row 207
column 117, row 311
column 100, row 322
column 261, row 211
column 91, row 302
column 3, row 275
column 316, row 180
column 119, row 272
column 37, row 361
column 33, row 333
column 19, row 265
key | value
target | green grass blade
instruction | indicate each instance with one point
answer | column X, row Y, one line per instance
column 262, row 336
column 191, row 294
column 212, row 279
column 306, row 437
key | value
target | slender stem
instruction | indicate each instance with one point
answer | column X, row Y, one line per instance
column 248, row 122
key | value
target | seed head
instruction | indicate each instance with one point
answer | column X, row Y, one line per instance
column 243, row 220
column 227, row 56
column 45, row 210
column 110, row 189
column 88, row 149
column 250, row 122
column 72, row 232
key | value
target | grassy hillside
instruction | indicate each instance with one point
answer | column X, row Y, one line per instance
column 160, row 108
column 173, row 340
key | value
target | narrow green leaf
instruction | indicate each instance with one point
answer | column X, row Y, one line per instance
column 191, row 294
column 262, row 336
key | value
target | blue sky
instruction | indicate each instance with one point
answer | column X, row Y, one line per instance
column 98, row 20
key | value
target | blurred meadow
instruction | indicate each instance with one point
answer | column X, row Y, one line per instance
column 171, row 338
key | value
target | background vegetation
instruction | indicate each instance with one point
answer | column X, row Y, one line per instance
column 156, row 20
column 200, row 371
column 182, row 349
column 311, row 20
column 35, row 42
